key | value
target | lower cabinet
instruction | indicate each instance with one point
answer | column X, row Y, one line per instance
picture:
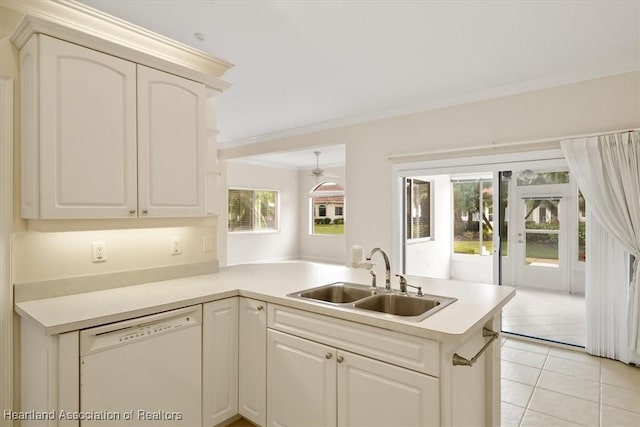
column 314, row 384
column 219, row 361
column 252, row 373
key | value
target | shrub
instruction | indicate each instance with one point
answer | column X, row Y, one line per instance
column 338, row 221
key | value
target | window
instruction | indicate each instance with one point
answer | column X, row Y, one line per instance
column 253, row 210
column 327, row 208
column 472, row 215
column 418, row 208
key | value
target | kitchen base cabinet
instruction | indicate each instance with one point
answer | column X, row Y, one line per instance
column 301, row 382
column 252, row 358
column 383, row 377
column 317, row 385
column 49, row 373
column 219, row 361
column 376, row 394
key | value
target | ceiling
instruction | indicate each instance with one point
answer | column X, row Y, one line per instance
column 308, row 65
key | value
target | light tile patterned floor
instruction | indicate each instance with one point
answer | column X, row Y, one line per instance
column 550, row 386
column 548, row 315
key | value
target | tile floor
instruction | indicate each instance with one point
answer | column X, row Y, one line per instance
column 551, row 386
column 548, row 315
column 544, row 386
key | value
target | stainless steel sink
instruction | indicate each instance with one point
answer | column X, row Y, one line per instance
column 409, row 306
column 355, row 297
column 336, row 293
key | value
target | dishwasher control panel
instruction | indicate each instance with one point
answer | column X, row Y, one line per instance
column 157, row 328
column 115, row 334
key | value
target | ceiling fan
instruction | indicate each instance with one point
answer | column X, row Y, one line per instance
column 320, row 173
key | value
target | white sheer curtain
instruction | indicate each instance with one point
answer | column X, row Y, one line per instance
column 606, row 306
column 607, row 170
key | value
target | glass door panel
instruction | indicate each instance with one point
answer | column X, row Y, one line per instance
column 542, row 231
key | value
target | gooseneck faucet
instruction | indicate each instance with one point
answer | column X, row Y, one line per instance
column 387, row 276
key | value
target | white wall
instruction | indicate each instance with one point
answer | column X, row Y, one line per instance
column 323, row 248
column 598, row 105
column 267, row 246
column 433, row 258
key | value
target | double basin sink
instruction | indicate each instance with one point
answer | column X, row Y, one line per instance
column 388, row 303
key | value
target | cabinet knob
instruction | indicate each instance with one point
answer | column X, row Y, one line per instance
column 339, row 359
column 145, row 211
column 132, row 211
column 260, row 308
column 328, row 356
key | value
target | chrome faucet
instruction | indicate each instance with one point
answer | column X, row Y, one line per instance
column 387, row 276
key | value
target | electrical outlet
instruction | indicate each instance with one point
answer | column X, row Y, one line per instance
column 99, row 253
column 176, row 246
column 207, row 243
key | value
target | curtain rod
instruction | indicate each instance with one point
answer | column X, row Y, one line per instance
column 506, row 144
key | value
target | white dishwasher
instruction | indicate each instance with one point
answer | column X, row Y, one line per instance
column 143, row 372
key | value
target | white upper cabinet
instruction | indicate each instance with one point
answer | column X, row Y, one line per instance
column 79, row 132
column 99, row 142
column 171, row 145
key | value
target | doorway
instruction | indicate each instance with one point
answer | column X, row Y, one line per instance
column 541, row 240
column 503, row 220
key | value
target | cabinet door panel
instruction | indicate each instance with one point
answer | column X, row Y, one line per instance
column 219, row 361
column 372, row 393
column 301, row 382
column 252, row 393
column 88, row 132
column 171, row 144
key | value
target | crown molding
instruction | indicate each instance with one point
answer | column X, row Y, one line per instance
column 77, row 23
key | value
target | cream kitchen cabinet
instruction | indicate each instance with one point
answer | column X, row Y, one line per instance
column 171, row 145
column 219, row 361
column 318, row 385
column 103, row 137
column 252, row 373
column 325, row 371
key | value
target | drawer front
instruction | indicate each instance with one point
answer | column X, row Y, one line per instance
column 410, row 352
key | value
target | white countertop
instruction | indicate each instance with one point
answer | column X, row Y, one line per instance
column 476, row 302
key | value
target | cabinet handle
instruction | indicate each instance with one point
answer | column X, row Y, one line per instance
column 328, row 356
column 132, row 211
column 260, row 308
column 340, row 359
column 145, row 211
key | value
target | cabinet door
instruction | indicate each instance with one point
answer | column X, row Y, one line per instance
column 171, row 145
column 301, row 382
column 252, row 393
column 219, row 361
column 87, row 116
column 373, row 393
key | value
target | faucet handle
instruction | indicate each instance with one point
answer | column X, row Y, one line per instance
column 404, row 284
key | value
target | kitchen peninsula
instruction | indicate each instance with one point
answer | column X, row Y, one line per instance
column 266, row 321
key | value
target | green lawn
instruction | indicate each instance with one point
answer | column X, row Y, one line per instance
column 534, row 250
column 328, row 229
column 471, row 247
